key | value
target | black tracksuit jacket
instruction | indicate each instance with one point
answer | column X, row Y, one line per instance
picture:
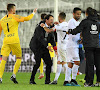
column 90, row 29
column 41, row 39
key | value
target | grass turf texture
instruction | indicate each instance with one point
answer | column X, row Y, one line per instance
column 23, row 79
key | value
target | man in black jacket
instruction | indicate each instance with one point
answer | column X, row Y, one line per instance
column 43, row 15
column 40, row 48
column 90, row 29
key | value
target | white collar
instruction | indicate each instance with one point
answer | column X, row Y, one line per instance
column 75, row 20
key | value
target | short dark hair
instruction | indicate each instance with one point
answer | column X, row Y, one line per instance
column 9, row 6
column 62, row 15
column 76, row 9
column 91, row 12
column 43, row 15
column 48, row 16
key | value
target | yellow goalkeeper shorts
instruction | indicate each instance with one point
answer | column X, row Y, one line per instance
column 15, row 48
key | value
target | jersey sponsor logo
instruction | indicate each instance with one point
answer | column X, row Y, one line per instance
column 94, row 29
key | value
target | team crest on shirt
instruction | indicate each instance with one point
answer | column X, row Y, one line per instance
column 94, row 29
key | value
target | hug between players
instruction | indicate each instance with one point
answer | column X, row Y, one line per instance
column 71, row 36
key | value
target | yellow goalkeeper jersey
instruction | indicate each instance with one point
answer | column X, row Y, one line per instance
column 9, row 24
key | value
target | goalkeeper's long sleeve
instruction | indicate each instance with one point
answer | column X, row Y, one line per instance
column 19, row 18
column 28, row 17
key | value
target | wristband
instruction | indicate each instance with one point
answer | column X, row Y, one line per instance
column 55, row 48
column 33, row 13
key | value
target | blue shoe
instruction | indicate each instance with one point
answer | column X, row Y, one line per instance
column 74, row 83
column 66, row 83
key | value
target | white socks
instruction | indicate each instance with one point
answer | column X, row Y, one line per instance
column 65, row 66
column 68, row 71
column 74, row 71
column 59, row 68
column 68, row 74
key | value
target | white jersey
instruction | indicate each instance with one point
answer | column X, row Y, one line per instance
column 72, row 39
column 61, row 42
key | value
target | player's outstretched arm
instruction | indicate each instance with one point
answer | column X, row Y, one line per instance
column 22, row 19
column 30, row 16
column 78, row 29
column 46, row 29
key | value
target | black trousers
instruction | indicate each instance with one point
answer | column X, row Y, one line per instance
column 43, row 53
column 92, row 58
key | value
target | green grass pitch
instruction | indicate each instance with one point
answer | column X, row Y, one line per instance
column 23, row 79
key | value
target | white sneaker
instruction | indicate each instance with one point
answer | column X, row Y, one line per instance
column 97, row 84
column 53, row 82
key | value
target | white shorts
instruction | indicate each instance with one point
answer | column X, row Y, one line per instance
column 61, row 55
column 72, row 54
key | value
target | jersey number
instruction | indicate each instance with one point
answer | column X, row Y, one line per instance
column 7, row 25
column 65, row 35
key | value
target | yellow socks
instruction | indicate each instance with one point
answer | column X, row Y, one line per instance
column 41, row 66
column 16, row 66
column 2, row 67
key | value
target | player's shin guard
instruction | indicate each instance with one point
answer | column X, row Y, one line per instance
column 59, row 68
column 2, row 67
column 41, row 67
column 74, row 71
column 16, row 66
